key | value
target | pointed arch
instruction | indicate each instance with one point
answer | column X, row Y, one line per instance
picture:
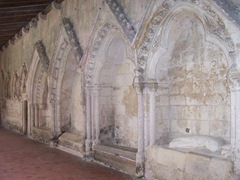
column 65, row 61
column 104, row 76
column 214, row 26
column 37, row 90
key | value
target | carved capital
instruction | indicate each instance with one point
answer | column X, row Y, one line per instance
column 95, row 90
column 138, row 87
column 234, row 77
column 138, row 82
column 151, row 85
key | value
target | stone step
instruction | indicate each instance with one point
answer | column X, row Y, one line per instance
column 42, row 134
column 118, row 157
column 72, row 143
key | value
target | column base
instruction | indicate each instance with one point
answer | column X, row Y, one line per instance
column 237, row 162
column 139, row 165
column 88, row 147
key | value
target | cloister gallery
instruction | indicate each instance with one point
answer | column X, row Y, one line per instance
column 149, row 87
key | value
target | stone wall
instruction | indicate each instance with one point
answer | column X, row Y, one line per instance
column 130, row 73
column 164, row 163
column 195, row 73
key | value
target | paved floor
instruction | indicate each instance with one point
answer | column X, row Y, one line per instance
column 22, row 159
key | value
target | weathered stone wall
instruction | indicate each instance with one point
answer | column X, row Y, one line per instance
column 195, row 73
column 118, row 102
column 93, row 52
column 163, row 163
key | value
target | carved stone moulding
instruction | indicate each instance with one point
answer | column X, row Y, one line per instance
column 234, row 77
column 41, row 16
column 101, row 36
column 56, row 5
column 232, row 8
column 214, row 24
column 55, row 72
column 122, row 19
column 42, row 55
column 72, row 37
column 33, row 23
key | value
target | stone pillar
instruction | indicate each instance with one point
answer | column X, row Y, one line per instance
column 35, row 111
column 52, row 110
column 92, row 119
column 96, row 114
column 31, row 121
column 140, row 153
column 37, row 115
column 234, row 79
column 152, row 88
column 88, row 142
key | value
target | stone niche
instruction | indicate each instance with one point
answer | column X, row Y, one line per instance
column 193, row 96
column 193, row 122
column 117, row 98
column 12, row 116
column 67, row 96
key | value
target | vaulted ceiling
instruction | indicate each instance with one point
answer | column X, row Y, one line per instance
column 16, row 14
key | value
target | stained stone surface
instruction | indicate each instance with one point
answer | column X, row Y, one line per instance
column 164, row 163
column 88, row 83
column 231, row 7
column 197, row 97
column 197, row 142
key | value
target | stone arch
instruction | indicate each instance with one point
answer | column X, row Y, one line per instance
column 103, row 72
column 158, row 48
column 37, row 90
column 161, row 39
column 215, row 28
column 65, row 89
column 56, row 73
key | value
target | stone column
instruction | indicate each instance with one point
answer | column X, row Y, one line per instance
column 152, row 88
column 88, row 142
column 92, row 119
column 31, row 121
column 234, row 79
column 140, row 153
column 52, row 110
column 96, row 114
column 35, row 108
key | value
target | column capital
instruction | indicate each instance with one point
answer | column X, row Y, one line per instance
column 138, row 82
column 138, row 86
column 234, row 77
column 151, row 85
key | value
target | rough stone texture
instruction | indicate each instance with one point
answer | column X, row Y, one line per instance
column 118, row 101
column 164, row 163
column 179, row 76
column 13, row 113
column 42, row 134
column 121, row 158
column 197, row 142
column 72, row 141
column 197, row 85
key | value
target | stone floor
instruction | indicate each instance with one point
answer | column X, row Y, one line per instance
column 22, row 158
